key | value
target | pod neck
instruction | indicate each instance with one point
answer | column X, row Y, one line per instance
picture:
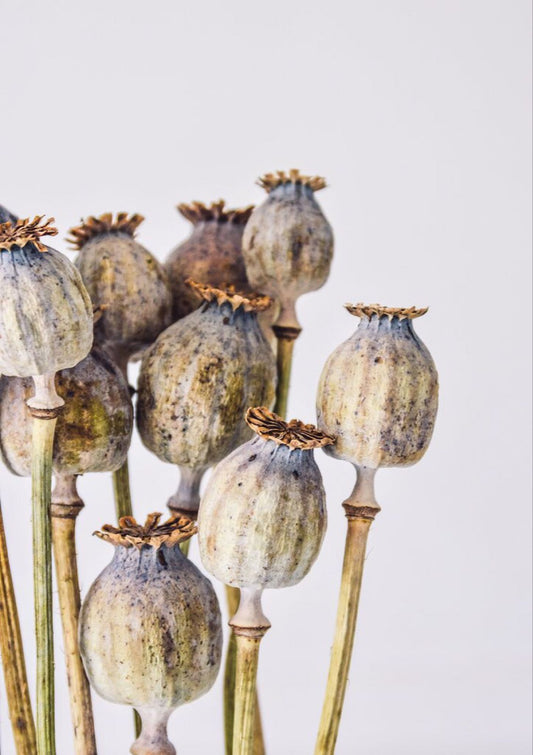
column 153, row 739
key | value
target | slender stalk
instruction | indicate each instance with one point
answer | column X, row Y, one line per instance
column 18, row 696
column 361, row 508
column 249, row 626
column 286, row 340
column 66, row 505
column 41, row 474
column 121, row 490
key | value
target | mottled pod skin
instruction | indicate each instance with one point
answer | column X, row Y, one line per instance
column 125, row 280
column 6, row 216
column 379, row 391
column 150, row 627
column 46, row 316
column 93, row 431
column 198, row 379
column 212, row 254
column 288, row 243
column 262, row 517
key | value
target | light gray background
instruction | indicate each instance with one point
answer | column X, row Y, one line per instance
column 418, row 114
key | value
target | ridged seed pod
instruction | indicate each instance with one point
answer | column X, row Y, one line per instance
column 379, row 391
column 93, row 431
column 211, row 255
column 288, row 243
column 196, row 382
column 150, row 627
column 263, row 515
column 46, row 317
column 125, row 280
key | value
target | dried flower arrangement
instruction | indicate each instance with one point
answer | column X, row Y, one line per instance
column 149, row 632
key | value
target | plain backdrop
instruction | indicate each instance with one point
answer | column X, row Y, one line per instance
column 418, row 114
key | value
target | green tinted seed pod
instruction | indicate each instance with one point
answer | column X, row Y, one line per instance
column 93, row 431
column 150, row 627
column 378, row 391
column 211, row 255
column 263, row 515
column 125, row 280
column 288, row 243
column 196, row 382
column 46, row 318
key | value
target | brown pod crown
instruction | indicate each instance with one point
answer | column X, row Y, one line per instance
column 211, row 255
column 130, row 534
column 25, row 232
column 292, row 433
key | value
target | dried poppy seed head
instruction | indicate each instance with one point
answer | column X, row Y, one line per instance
column 379, row 390
column 262, row 517
column 129, row 534
column 114, row 265
column 288, row 243
column 250, row 302
column 211, row 255
column 45, row 310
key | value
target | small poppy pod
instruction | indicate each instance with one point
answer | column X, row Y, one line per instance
column 93, row 431
column 212, row 254
column 288, row 243
column 197, row 380
column 263, row 515
column 150, row 626
column 125, row 280
column 379, row 390
column 46, row 316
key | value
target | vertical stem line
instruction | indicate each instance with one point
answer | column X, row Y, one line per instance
column 64, row 516
column 41, row 475
column 341, row 653
column 16, row 682
column 247, row 658
column 284, row 364
column 121, row 490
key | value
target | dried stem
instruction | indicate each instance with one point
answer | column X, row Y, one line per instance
column 121, row 490
column 41, row 475
column 284, row 364
column 66, row 505
column 249, row 626
column 361, row 509
column 18, row 696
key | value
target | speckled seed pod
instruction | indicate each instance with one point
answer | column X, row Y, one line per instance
column 93, row 431
column 197, row 381
column 212, row 254
column 263, row 515
column 150, row 627
column 378, row 391
column 46, row 317
column 124, row 279
column 288, row 243
column 6, row 216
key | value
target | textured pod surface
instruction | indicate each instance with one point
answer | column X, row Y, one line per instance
column 6, row 216
column 93, row 431
column 212, row 254
column 125, row 280
column 378, row 391
column 263, row 515
column 197, row 381
column 150, row 629
column 46, row 318
column 288, row 243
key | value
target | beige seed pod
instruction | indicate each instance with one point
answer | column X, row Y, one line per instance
column 211, row 255
column 196, row 382
column 93, row 431
column 263, row 515
column 46, row 317
column 124, row 279
column 150, row 626
column 288, row 243
column 379, row 390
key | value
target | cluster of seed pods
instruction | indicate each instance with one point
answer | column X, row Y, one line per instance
column 150, row 632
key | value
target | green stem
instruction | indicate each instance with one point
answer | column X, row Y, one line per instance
column 121, row 490
column 16, row 681
column 247, row 659
column 284, row 364
column 41, row 474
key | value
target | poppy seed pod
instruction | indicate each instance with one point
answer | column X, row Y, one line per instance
column 196, row 382
column 288, row 243
column 46, row 317
column 378, row 391
column 263, row 515
column 6, row 216
column 125, row 280
column 211, row 255
column 150, row 626
column 93, row 431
